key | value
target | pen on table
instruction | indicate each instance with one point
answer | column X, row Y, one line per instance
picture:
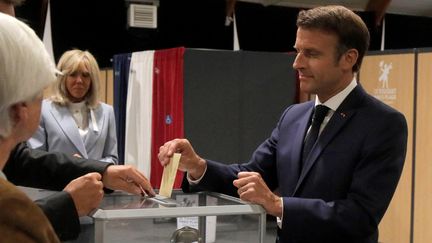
column 129, row 180
column 143, row 193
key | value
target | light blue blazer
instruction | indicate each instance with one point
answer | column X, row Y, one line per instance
column 59, row 132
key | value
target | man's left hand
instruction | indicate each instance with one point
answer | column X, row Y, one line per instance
column 252, row 188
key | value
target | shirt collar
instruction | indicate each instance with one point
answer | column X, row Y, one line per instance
column 77, row 106
column 334, row 102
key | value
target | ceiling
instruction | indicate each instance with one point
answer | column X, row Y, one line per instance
column 404, row 7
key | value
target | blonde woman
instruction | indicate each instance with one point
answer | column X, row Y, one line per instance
column 73, row 120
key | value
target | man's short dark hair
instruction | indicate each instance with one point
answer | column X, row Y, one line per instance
column 348, row 26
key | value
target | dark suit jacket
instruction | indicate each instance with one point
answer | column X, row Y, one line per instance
column 52, row 171
column 20, row 219
column 346, row 184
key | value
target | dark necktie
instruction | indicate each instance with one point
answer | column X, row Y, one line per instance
column 317, row 118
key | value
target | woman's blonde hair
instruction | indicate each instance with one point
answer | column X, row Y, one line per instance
column 70, row 62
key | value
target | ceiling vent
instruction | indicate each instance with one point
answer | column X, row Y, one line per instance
column 142, row 16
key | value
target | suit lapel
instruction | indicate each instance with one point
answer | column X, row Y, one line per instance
column 299, row 138
column 94, row 134
column 341, row 116
column 65, row 121
column 291, row 170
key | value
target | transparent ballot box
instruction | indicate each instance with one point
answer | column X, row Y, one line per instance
column 192, row 217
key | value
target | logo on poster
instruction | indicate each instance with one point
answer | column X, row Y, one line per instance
column 384, row 93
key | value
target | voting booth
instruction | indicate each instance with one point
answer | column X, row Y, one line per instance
column 225, row 103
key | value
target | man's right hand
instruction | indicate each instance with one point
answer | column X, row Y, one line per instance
column 189, row 161
column 86, row 192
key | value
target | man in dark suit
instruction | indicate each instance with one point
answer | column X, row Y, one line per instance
column 337, row 188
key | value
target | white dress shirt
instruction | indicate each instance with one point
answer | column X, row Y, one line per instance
column 79, row 113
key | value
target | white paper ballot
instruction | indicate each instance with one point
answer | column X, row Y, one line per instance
column 169, row 175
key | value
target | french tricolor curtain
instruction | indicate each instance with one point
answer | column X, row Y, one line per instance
column 121, row 66
column 167, row 118
column 154, row 109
